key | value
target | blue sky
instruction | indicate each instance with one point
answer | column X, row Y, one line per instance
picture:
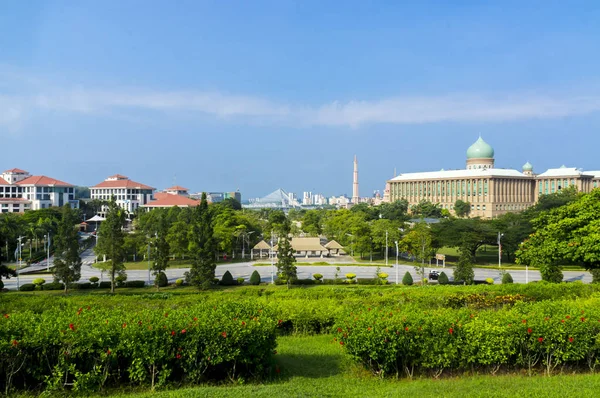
column 261, row 95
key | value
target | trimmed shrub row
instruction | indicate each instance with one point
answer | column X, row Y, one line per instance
column 527, row 336
column 94, row 347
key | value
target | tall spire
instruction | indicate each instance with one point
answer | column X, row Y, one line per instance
column 355, row 197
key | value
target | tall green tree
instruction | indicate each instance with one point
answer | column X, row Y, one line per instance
column 67, row 262
column 419, row 242
column 202, row 247
column 286, row 262
column 569, row 234
column 426, row 209
column 161, row 259
column 464, row 268
column 111, row 241
column 462, row 208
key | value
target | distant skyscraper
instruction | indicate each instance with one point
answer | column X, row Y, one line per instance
column 355, row 198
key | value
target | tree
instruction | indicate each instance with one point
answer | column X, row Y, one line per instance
column 461, row 208
column 407, row 279
column 426, row 209
column 418, row 241
column 286, row 261
column 464, row 268
column 67, row 262
column 465, row 233
column 202, row 247
column 395, row 211
column 311, row 222
column 569, row 234
column 161, row 259
column 111, row 241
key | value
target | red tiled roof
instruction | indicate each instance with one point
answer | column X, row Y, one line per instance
column 177, row 188
column 170, row 200
column 3, row 181
column 122, row 184
column 43, row 180
column 119, row 176
column 16, row 171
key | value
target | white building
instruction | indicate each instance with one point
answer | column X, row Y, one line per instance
column 307, row 199
column 128, row 194
column 342, row 200
column 319, row 200
column 20, row 191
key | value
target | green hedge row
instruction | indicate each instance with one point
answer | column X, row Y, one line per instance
column 93, row 347
column 529, row 336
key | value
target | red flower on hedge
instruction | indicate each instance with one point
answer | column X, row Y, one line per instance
column 15, row 343
column 224, row 334
column 524, row 321
column 568, row 316
column 195, row 319
column 166, row 314
column 540, row 339
column 339, row 330
column 529, row 330
column 71, row 326
column 124, row 325
column 450, row 330
column 562, row 320
column 369, row 328
column 582, row 319
column 243, row 323
column 183, row 331
column 570, row 339
column 279, row 322
column 6, row 316
column 406, row 328
column 108, row 352
column 172, row 333
column 178, row 356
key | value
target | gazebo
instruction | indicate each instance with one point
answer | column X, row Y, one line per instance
column 334, row 246
column 307, row 246
column 260, row 246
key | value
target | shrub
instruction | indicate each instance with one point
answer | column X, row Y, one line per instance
column 506, row 278
column 489, row 281
column 135, row 284
column 54, row 286
column 161, row 280
column 318, row 277
column 350, row 276
column 1, row 284
column 407, row 279
column 551, row 273
column 369, row 281
column 383, row 275
column 104, row 285
column 27, row 287
column 94, row 279
column 39, row 282
column 463, row 272
column 255, row 278
column 179, row 282
column 303, row 281
column 240, row 281
column 120, row 280
column 227, row 279
column 443, row 278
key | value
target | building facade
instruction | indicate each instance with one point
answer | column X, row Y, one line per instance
column 128, row 194
column 490, row 191
column 20, row 192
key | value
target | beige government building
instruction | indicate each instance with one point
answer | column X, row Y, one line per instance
column 490, row 191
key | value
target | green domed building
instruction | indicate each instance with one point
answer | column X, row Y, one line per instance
column 480, row 155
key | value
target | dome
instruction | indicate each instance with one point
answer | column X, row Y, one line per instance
column 480, row 149
column 527, row 167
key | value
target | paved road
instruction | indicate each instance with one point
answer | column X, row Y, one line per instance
column 244, row 270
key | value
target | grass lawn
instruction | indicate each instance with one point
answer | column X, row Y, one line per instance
column 314, row 366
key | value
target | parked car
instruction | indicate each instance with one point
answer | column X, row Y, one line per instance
column 434, row 275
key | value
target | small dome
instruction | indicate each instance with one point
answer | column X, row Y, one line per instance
column 527, row 167
column 480, row 149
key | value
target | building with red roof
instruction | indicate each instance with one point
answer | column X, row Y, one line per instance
column 128, row 194
column 20, row 191
column 165, row 200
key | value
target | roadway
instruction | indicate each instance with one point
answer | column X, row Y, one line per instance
column 245, row 269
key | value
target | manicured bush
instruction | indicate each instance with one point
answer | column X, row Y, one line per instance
column 506, row 278
column 255, row 278
column 103, row 346
column 104, row 285
column 179, row 282
column 27, row 287
column 161, row 280
column 407, row 279
column 54, row 286
column 383, row 275
column 369, row 281
column 318, row 277
column 350, row 278
column 443, row 278
column 240, row 281
column 79, row 286
column 489, row 281
column 120, row 280
column 135, row 284
column 1, row 284
column 38, row 282
column 391, row 341
column 94, row 279
column 227, row 279
column 303, row 281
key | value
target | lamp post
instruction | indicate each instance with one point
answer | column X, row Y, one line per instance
column 148, row 237
column 272, row 260
column 19, row 263
column 396, row 242
column 47, row 236
column 500, row 249
column 386, row 248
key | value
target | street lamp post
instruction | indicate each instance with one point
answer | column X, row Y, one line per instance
column 148, row 237
column 386, row 248
column 19, row 263
column 272, row 261
column 396, row 242
column 500, row 249
column 47, row 251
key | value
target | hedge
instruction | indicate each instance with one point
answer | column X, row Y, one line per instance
column 135, row 283
column 54, row 286
column 104, row 285
column 94, row 347
column 27, row 287
column 389, row 341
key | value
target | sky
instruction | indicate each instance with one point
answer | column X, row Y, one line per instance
column 260, row 95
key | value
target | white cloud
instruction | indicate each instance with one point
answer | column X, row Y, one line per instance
column 399, row 110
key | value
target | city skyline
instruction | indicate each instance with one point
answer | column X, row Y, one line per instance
column 259, row 96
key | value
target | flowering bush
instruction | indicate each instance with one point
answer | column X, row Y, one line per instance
column 528, row 335
column 92, row 347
